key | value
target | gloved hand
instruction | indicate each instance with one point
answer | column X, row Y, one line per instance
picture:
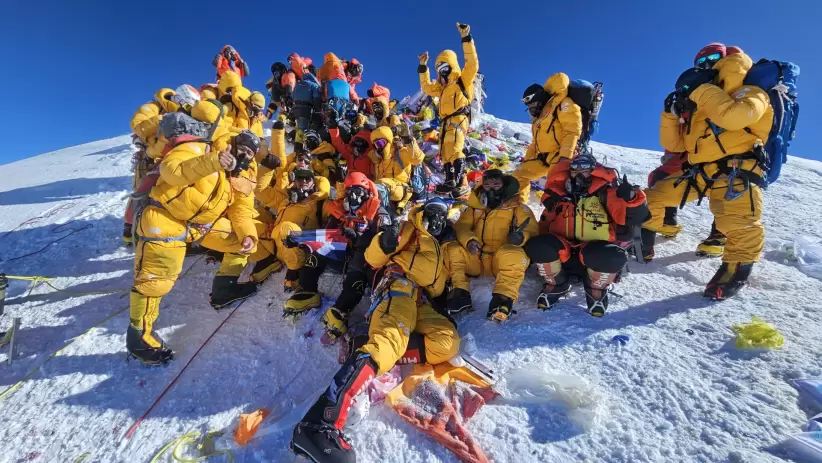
column 335, row 323
column 669, row 102
column 474, row 247
column 290, row 242
column 682, row 105
column 332, row 124
column 423, row 59
column 271, row 162
column 516, row 237
column 465, row 29
column 389, row 239
column 625, row 190
column 278, row 125
column 351, row 234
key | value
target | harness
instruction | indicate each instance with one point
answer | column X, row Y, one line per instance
column 464, row 111
column 382, row 291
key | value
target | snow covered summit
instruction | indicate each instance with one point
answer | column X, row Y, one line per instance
column 678, row 390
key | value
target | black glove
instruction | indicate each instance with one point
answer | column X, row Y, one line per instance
column 278, row 125
column 625, row 190
column 389, row 240
column 669, row 102
column 351, row 234
column 516, row 237
column 682, row 104
column 332, row 124
column 290, row 243
column 272, row 162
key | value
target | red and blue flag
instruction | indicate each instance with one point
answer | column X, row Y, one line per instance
column 326, row 242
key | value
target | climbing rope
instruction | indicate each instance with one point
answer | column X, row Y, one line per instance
column 54, row 230
column 57, row 352
column 204, row 445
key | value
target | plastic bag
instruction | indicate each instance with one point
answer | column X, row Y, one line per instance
column 539, row 387
column 806, row 251
column 382, row 385
column 758, row 334
column 810, row 390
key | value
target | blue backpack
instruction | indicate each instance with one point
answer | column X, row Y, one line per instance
column 337, row 88
column 779, row 80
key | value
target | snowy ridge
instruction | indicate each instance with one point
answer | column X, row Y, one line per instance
column 667, row 395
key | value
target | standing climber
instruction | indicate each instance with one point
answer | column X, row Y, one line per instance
column 229, row 60
column 455, row 89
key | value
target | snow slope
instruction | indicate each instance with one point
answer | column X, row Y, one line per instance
column 677, row 391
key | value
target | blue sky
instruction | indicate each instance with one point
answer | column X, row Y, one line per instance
column 76, row 71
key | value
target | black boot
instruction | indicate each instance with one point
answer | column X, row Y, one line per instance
column 225, row 290
column 713, row 245
column 500, row 308
column 264, row 268
column 140, row 349
column 670, row 216
column 352, row 291
column 447, row 187
column 597, row 285
column 127, row 238
column 460, row 184
column 728, row 280
column 648, row 241
column 551, row 294
column 459, row 301
column 319, row 435
column 291, row 282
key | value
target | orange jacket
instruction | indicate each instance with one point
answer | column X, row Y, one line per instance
column 592, row 217
column 223, row 65
column 299, row 64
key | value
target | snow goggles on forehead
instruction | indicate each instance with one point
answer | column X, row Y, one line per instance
column 707, row 62
column 380, row 144
column 580, row 164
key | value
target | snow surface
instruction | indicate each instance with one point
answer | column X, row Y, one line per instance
column 677, row 391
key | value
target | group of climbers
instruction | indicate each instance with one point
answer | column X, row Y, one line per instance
column 206, row 177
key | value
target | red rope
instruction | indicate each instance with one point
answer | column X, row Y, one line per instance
column 174, row 381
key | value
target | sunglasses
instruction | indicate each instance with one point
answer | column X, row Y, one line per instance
column 380, row 144
column 708, row 61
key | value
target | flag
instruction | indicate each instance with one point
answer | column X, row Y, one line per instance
column 325, row 242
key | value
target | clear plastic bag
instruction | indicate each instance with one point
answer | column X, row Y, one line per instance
column 806, row 251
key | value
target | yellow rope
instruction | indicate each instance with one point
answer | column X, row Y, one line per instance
column 55, row 354
column 190, row 438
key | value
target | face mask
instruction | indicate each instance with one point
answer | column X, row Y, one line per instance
column 434, row 222
column 295, row 194
column 379, row 112
column 578, row 184
column 312, row 143
column 355, row 197
column 492, row 198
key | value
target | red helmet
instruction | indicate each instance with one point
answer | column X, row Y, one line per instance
column 732, row 50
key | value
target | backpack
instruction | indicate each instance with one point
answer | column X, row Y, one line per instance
column 419, row 180
column 588, row 97
column 337, row 88
column 385, row 196
column 778, row 78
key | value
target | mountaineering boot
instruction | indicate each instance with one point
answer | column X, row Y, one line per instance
column 669, row 231
column 138, row 348
column 670, row 216
column 459, row 301
column 648, row 241
column 141, row 342
column 728, row 280
column 461, row 187
column 597, row 285
column 499, row 310
column 319, row 435
column 713, row 245
column 335, row 323
column 291, row 282
column 447, row 186
column 551, row 294
column 225, row 289
column 128, row 240
column 264, row 268
column 556, row 284
column 301, row 302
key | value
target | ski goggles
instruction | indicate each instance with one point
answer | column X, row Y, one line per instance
column 707, row 62
column 355, row 69
column 380, row 144
column 582, row 163
column 443, row 69
column 528, row 99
